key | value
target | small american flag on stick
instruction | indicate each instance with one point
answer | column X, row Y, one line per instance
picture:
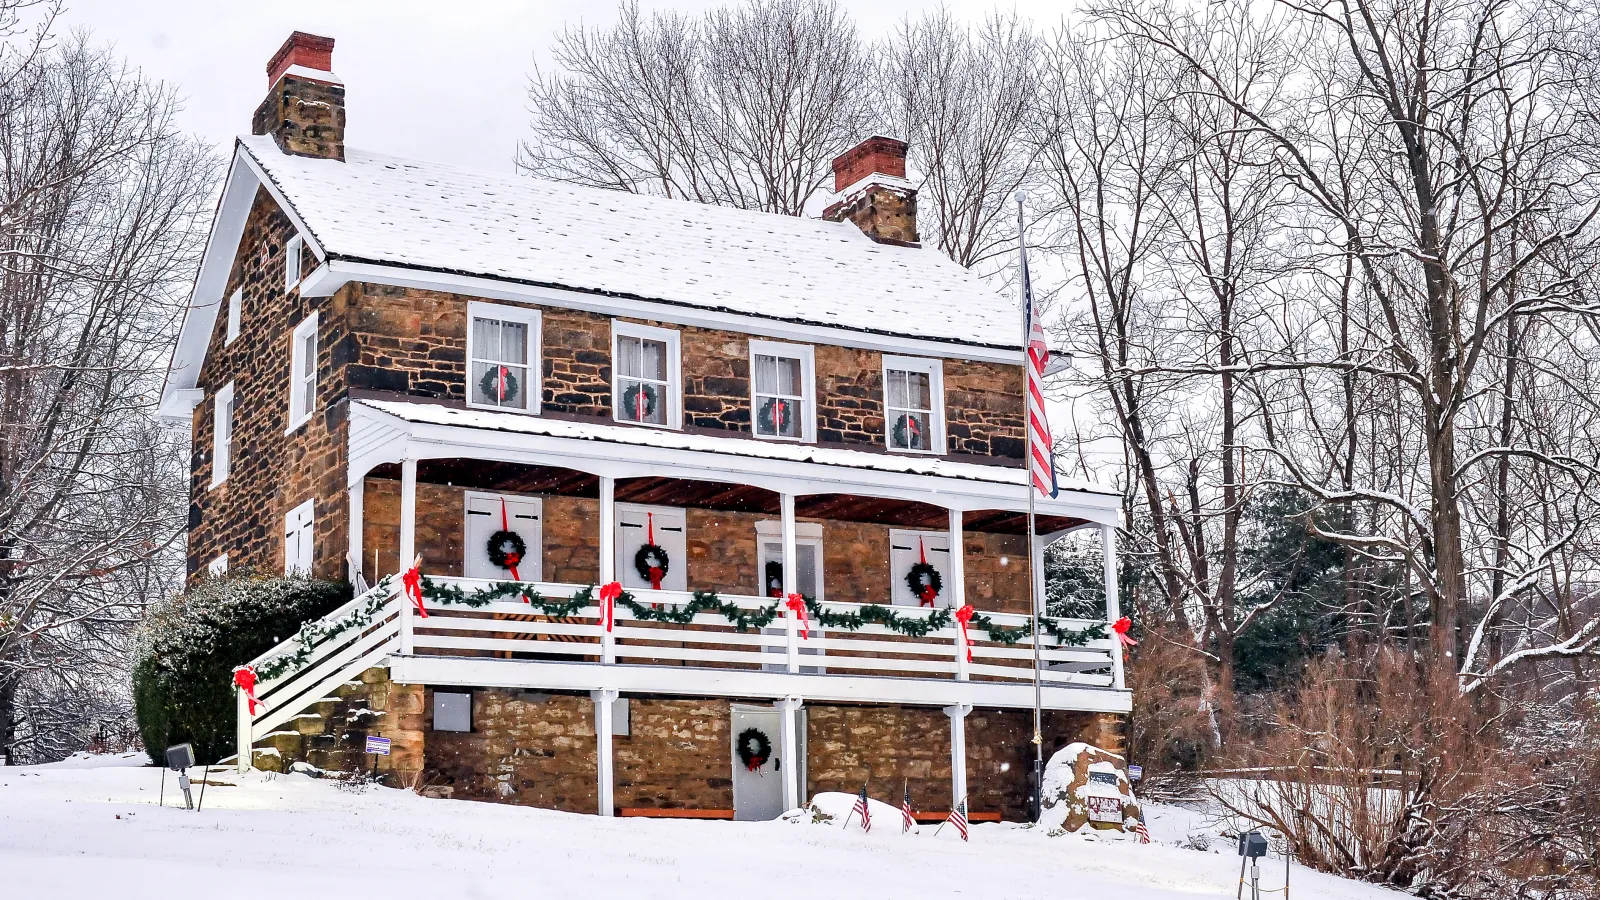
column 1141, row 831
column 861, row 809
column 958, row 818
column 908, row 818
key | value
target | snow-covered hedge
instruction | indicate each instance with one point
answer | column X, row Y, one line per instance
column 187, row 647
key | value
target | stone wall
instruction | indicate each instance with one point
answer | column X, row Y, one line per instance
column 332, row 734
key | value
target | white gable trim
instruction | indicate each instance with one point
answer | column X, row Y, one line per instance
column 335, row 273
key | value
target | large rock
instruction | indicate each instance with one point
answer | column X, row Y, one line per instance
column 1085, row 786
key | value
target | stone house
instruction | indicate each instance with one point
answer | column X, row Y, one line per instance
column 533, row 389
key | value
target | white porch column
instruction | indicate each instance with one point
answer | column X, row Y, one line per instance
column 790, row 750
column 958, row 751
column 608, row 559
column 243, row 744
column 958, row 589
column 603, row 706
column 408, row 542
column 791, row 581
column 1108, row 552
column 357, row 520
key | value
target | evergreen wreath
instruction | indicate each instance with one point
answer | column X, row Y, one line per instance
column 491, row 387
column 507, row 549
column 774, row 578
column 755, row 748
column 771, row 409
column 642, row 561
column 630, row 399
column 916, row 440
column 924, row 577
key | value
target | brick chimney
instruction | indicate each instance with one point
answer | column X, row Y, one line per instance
column 304, row 108
column 870, row 184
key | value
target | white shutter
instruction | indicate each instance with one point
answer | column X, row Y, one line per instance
column 906, row 549
column 298, row 540
column 485, row 516
column 634, row 524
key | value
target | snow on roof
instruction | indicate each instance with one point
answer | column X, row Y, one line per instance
column 383, row 209
column 436, row 414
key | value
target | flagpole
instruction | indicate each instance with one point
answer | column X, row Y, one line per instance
column 1027, row 461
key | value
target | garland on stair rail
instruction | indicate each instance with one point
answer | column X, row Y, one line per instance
column 317, row 632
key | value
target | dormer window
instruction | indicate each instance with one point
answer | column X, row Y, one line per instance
column 782, row 391
column 913, row 404
column 645, row 381
column 503, row 357
column 291, row 262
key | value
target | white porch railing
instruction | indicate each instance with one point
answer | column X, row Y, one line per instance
column 382, row 622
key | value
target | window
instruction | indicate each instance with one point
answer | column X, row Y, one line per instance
column 913, row 401
column 222, row 435
column 907, row 549
column 291, row 262
column 645, row 382
column 503, row 357
column 808, row 558
column 297, row 540
column 782, row 391
column 303, row 373
column 235, row 303
column 218, row 567
column 452, row 711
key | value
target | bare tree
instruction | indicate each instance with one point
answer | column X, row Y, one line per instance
column 102, row 207
column 746, row 106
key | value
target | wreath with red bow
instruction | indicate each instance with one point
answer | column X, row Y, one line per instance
column 774, row 578
column 754, row 748
column 499, row 385
column 506, row 549
column 652, row 563
column 910, row 434
column 925, row 582
column 774, row 415
column 639, row 402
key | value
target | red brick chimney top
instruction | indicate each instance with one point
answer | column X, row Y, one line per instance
column 873, row 156
column 309, row 50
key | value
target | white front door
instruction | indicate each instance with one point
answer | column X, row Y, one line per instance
column 488, row 514
column 758, row 788
column 907, row 549
column 641, row 525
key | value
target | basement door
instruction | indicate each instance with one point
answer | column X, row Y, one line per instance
column 485, row 516
column 758, row 792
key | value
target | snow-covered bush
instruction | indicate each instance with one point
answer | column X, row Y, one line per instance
column 187, row 647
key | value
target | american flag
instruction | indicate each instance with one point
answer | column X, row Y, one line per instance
column 908, row 819
column 1043, row 462
column 861, row 809
column 958, row 818
column 1141, row 831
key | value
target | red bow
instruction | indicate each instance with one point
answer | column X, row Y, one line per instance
column 608, row 598
column 412, row 580
column 505, row 525
column 244, row 678
column 1121, row 627
column 797, row 605
column 964, row 615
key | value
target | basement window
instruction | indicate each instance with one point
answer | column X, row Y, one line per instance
column 452, row 711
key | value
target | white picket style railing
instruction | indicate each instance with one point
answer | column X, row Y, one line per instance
column 515, row 630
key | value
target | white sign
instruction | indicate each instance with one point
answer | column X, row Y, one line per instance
column 380, row 746
column 1135, row 773
column 1105, row 809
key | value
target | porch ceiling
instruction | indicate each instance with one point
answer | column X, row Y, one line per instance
column 713, row 495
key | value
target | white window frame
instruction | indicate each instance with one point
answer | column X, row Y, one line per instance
column 535, row 352
column 218, row 567
column 805, row 534
column 306, row 513
column 235, row 314
column 292, row 253
column 222, row 412
column 299, row 374
column 808, row 388
column 668, row 336
column 935, row 371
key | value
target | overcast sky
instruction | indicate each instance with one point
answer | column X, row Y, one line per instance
column 441, row 80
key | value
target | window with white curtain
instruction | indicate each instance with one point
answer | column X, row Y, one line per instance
column 645, row 387
column 782, row 391
column 913, row 403
column 503, row 357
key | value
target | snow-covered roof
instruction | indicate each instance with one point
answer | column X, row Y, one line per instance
column 438, row 414
column 436, row 217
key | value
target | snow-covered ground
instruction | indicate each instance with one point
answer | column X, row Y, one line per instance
column 91, row 828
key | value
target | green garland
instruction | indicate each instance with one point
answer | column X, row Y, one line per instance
column 316, row 632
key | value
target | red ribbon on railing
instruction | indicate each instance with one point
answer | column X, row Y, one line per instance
column 797, row 605
column 244, row 678
column 1121, row 627
column 964, row 615
column 412, row 581
column 513, row 557
column 608, row 599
